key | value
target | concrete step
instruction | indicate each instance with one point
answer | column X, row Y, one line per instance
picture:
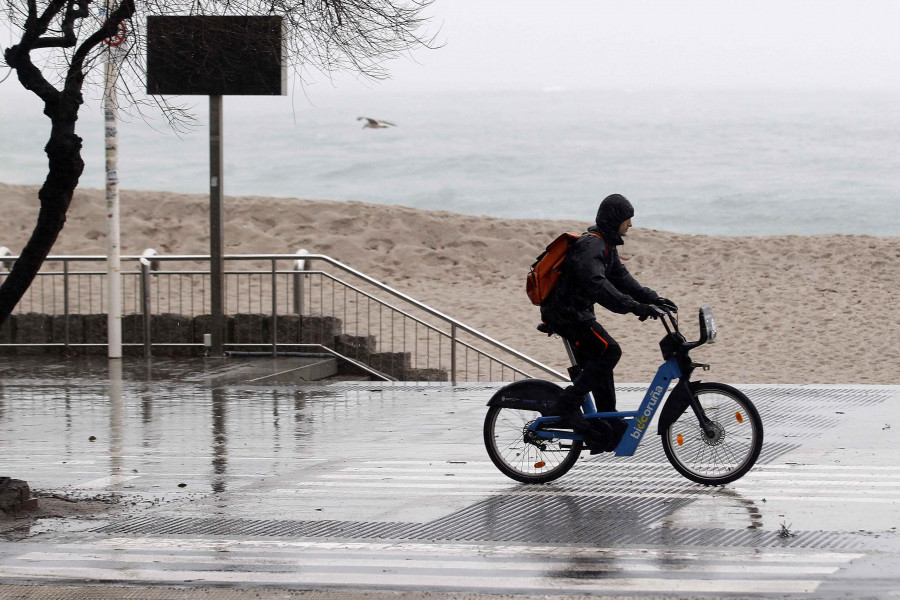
column 313, row 369
column 282, row 370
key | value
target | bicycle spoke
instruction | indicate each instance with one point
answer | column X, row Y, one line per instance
column 723, row 453
column 536, row 459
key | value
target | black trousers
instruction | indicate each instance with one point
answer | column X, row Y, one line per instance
column 596, row 353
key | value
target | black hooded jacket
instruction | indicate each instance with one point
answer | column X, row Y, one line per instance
column 592, row 272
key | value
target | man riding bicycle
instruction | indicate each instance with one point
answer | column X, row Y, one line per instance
column 592, row 273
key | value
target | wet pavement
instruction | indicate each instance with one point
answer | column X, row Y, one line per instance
column 213, row 474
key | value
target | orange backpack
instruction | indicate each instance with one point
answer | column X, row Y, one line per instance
column 545, row 271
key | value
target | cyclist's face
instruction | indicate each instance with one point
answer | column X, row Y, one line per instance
column 624, row 227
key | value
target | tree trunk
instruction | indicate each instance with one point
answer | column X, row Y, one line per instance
column 66, row 165
column 64, row 148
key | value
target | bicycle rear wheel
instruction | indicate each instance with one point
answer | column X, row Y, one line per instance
column 538, row 461
column 734, row 448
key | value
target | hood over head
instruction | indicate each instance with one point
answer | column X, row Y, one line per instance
column 614, row 210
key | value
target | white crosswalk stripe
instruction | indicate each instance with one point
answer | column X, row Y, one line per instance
column 461, row 567
column 777, row 482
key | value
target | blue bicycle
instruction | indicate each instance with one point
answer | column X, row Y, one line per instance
column 714, row 443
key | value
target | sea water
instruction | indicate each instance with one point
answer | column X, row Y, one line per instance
column 720, row 163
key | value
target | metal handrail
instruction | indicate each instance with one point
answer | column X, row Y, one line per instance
column 370, row 297
column 414, row 319
column 424, row 307
column 147, row 262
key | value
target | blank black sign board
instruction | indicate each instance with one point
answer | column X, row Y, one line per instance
column 216, row 56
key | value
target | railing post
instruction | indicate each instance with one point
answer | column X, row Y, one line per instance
column 453, row 354
column 146, row 265
column 274, row 321
column 299, row 267
column 66, row 302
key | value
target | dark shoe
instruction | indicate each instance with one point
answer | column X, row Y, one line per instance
column 569, row 408
column 619, row 427
column 610, row 432
column 574, row 418
column 602, row 437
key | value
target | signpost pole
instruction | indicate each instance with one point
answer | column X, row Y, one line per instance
column 113, row 252
column 197, row 55
column 216, row 227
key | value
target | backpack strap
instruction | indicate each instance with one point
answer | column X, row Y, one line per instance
column 597, row 235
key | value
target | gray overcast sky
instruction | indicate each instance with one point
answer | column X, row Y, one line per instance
column 536, row 44
column 573, row 44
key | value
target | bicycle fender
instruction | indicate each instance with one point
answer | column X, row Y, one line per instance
column 528, row 394
column 677, row 402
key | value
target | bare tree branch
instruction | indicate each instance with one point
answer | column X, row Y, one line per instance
column 322, row 35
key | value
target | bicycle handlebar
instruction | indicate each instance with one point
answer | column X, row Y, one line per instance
column 707, row 326
column 672, row 319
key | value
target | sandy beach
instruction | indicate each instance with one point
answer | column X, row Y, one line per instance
column 790, row 309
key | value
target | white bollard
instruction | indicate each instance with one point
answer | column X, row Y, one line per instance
column 147, row 265
column 5, row 265
column 299, row 267
column 147, row 258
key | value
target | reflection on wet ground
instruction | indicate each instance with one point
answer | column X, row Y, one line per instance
column 123, row 423
column 388, row 486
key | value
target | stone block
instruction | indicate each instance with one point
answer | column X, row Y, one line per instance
column 426, row 375
column 133, row 333
column 7, row 335
column 33, row 328
column 319, row 329
column 15, row 496
column 395, row 364
column 76, row 329
column 6, row 331
column 94, row 328
column 251, row 329
column 202, row 326
column 170, row 328
column 287, row 328
column 359, row 347
column 133, row 328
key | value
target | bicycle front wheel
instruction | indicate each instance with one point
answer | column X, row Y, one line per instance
column 730, row 452
column 536, row 461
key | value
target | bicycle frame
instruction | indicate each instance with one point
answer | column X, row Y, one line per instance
column 677, row 365
column 638, row 420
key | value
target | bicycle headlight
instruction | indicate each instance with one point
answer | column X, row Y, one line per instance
column 707, row 324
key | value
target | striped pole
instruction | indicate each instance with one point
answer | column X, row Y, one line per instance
column 113, row 253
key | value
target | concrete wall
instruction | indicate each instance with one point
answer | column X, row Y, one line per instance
column 34, row 328
column 254, row 329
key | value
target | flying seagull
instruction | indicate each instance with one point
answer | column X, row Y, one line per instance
column 374, row 123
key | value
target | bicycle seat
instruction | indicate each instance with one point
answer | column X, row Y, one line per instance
column 544, row 328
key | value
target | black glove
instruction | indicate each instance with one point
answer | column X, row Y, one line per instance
column 645, row 311
column 665, row 303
